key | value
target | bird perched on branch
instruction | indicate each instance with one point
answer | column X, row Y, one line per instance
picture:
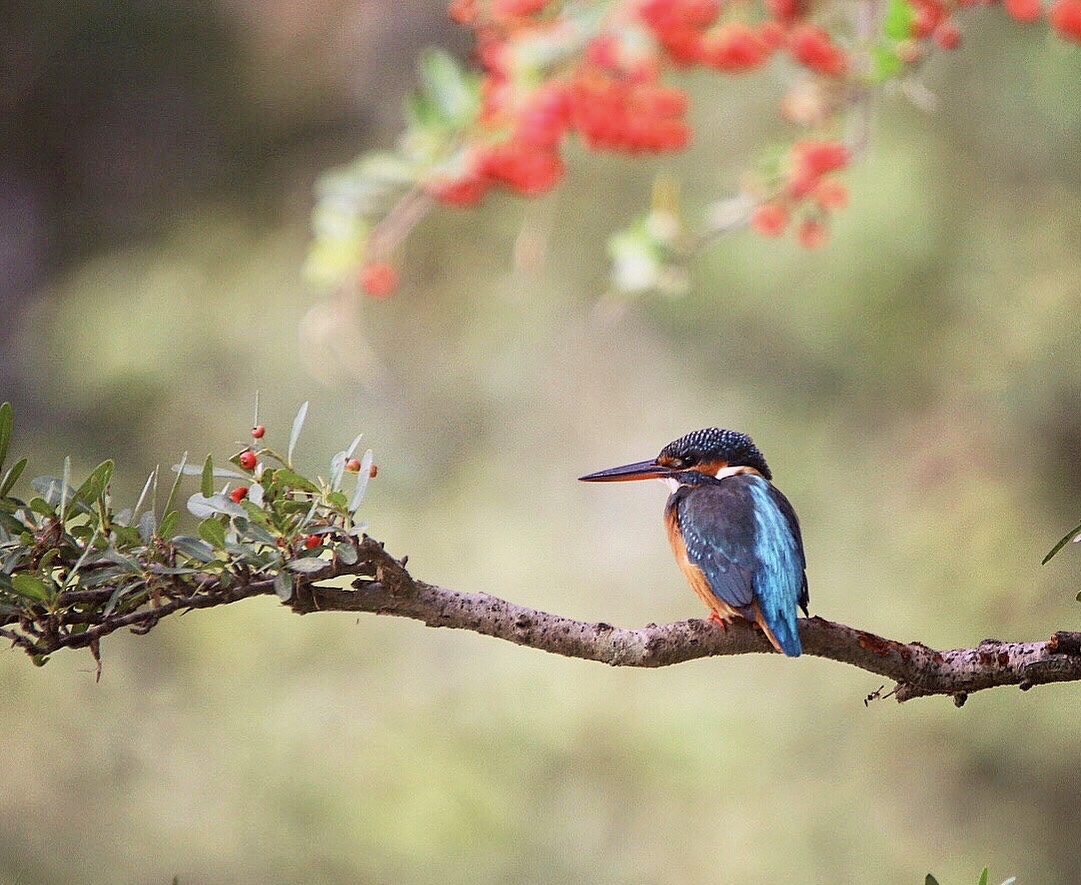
column 735, row 536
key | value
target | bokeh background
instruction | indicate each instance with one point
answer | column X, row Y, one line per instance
column 916, row 386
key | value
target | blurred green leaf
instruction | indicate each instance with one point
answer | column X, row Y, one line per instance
column 885, row 64
column 294, row 434
column 42, row 507
column 983, row 877
column 7, row 420
column 455, row 97
column 219, row 472
column 930, row 880
column 900, row 17
column 213, row 532
column 30, row 586
column 207, row 487
column 1073, row 534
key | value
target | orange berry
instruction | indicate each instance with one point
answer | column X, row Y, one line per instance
column 239, row 494
column 247, row 459
column 352, row 465
column 372, row 471
column 378, row 279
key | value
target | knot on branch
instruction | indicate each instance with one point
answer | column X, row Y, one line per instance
column 379, row 570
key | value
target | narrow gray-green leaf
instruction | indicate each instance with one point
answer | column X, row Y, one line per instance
column 196, row 548
column 294, row 435
column 1073, row 534
column 362, row 481
column 65, row 485
column 179, row 468
column 283, row 586
column 202, row 506
column 148, row 525
column 337, row 470
column 347, row 553
column 307, row 565
column 219, row 472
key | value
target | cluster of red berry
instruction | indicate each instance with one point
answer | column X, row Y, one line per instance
column 546, row 75
column 808, row 190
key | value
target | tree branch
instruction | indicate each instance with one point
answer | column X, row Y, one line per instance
column 383, row 586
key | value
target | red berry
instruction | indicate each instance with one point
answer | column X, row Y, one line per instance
column 733, row 46
column 239, row 494
column 1065, row 17
column 831, row 194
column 947, row 35
column 812, row 233
column 813, row 48
column 461, row 193
column 1024, row 10
column 378, row 279
column 258, row 431
column 516, row 8
column 928, row 15
column 312, row 541
column 770, row 219
column 247, row 459
column 372, row 471
column 352, row 465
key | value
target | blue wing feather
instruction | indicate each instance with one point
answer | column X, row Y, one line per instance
column 744, row 536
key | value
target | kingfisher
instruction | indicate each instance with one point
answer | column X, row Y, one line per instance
column 735, row 536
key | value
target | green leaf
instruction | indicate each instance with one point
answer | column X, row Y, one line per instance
column 930, row 880
column 983, row 877
column 168, row 524
column 94, row 488
column 885, row 64
column 42, row 507
column 30, row 586
column 10, row 478
column 290, row 479
column 7, row 420
column 207, row 487
column 1073, row 534
column 347, row 553
column 307, row 565
column 294, row 435
column 213, row 532
column 179, row 468
column 195, row 548
column 900, row 17
column 283, row 586
column 444, row 81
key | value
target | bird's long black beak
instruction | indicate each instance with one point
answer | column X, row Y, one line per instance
column 639, row 470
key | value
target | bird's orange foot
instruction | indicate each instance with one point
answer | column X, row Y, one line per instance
column 717, row 619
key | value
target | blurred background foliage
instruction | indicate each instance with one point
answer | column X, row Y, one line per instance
column 916, row 386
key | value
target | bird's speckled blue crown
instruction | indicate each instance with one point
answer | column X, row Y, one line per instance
column 715, row 444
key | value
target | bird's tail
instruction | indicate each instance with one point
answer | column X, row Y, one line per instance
column 782, row 630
